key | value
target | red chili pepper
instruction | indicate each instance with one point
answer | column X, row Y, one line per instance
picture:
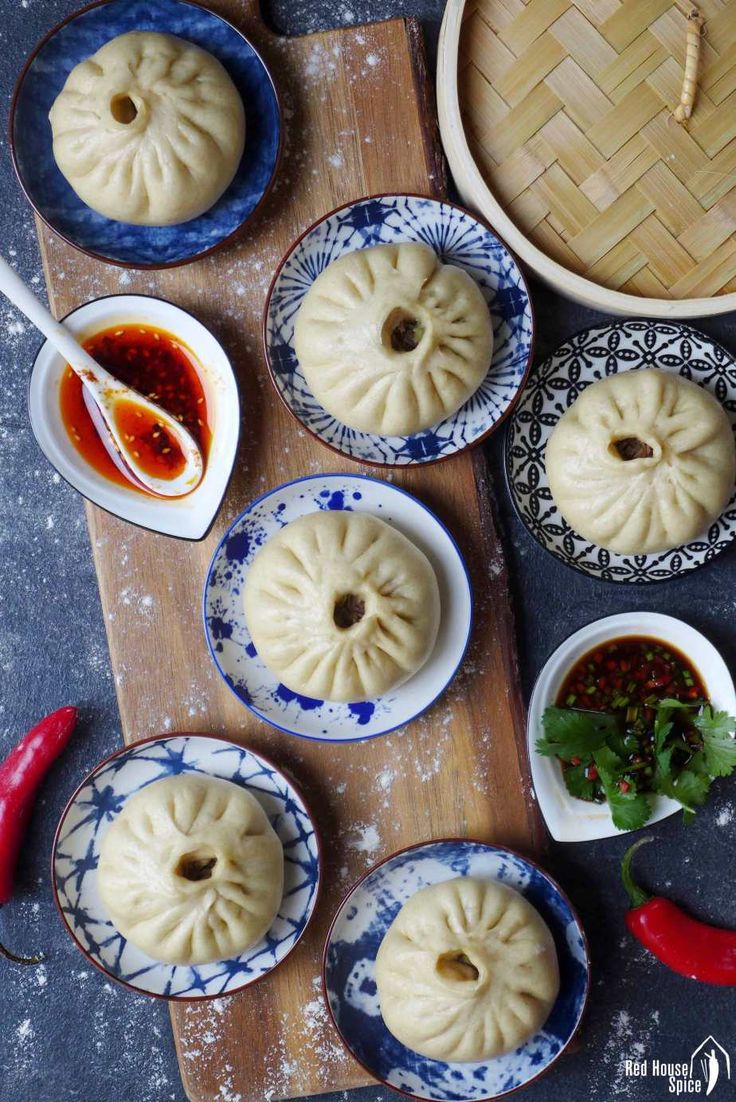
column 20, row 776
column 687, row 946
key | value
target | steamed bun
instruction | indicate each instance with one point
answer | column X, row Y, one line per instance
column 467, row 971
column 642, row 461
column 392, row 341
column 191, row 871
column 149, row 130
column 341, row 606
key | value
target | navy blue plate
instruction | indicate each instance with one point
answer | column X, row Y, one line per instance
column 52, row 197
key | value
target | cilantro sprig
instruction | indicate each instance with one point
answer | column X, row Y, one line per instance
column 629, row 809
column 569, row 733
column 691, row 745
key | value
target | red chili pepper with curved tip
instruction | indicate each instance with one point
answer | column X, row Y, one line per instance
column 20, row 776
column 687, row 946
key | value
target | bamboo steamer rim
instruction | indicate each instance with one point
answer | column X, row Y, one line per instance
column 476, row 194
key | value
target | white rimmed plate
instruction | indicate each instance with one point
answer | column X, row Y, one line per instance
column 187, row 517
column 102, row 795
column 552, row 388
column 348, row 971
column 569, row 819
column 230, row 643
column 458, row 238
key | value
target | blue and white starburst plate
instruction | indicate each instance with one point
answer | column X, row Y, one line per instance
column 101, row 797
column 554, row 385
column 232, row 648
column 458, row 238
column 43, row 77
column 348, row 971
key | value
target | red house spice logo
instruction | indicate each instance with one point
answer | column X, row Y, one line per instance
column 709, row 1065
column 712, row 1062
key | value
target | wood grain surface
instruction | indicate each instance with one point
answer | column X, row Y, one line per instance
column 568, row 110
column 359, row 119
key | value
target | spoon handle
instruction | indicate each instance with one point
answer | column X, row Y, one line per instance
column 13, row 287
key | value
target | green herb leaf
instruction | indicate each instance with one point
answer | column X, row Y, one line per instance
column 668, row 703
column 569, row 733
column 629, row 810
column 663, row 778
column 719, row 744
column 690, row 789
column 662, row 753
column 662, row 728
column 577, row 783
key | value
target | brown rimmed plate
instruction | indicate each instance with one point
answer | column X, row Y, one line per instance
column 100, row 798
column 457, row 237
column 53, row 199
column 348, row 971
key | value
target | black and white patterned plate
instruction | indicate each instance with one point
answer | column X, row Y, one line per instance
column 554, row 385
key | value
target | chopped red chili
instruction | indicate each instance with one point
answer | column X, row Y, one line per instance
column 635, row 667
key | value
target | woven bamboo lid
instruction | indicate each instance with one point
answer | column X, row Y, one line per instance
column 557, row 117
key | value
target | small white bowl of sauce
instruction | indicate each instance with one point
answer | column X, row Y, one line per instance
column 568, row 818
column 164, row 352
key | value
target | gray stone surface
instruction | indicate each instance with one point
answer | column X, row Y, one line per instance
column 66, row 1033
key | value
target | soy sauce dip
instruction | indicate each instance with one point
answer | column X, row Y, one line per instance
column 628, row 677
column 157, row 364
column 630, row 674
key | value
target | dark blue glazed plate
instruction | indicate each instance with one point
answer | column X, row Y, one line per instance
column 53, row 198
column 358, row 928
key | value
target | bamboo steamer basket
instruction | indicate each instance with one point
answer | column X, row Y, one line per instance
column 556, row 118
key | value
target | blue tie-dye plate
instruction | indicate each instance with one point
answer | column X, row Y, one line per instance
column 102, row 796
column 229, row 639
column 52, row 197
column 350, row 987
column 458, row 238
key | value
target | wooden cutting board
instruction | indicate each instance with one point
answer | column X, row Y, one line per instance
column 359, row 118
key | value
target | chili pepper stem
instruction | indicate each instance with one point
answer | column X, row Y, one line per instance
column 15, row 959
column 637, row 896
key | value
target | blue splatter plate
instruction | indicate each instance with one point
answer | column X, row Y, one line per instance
column 53, row 198
column 229, row 639
column 350, row 988
column 458, row 238
column 102, row 796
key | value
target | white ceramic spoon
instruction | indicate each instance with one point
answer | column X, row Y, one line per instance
column 107, row 394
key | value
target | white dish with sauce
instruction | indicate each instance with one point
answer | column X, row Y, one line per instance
column 188, row 517
column 572, row 820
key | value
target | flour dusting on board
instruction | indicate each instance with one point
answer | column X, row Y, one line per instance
column 205, row 1030
column 364, row 838
column 309, row 1032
